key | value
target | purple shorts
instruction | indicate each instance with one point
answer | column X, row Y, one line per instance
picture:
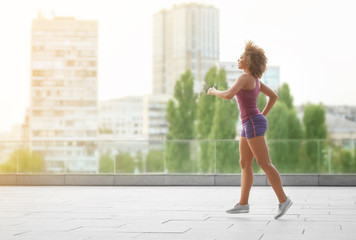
column 254, row 126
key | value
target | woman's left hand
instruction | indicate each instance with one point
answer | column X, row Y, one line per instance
column 211, row 91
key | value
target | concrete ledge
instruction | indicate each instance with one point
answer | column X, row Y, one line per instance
column 8, row 180
column 40, row 179
column 259, row 180
column 228, row 180
column 235, row 180
column 170, row 180
column 189, row 180
column 138, row 180
column 299, row 180
column 337, row 180
column 89, row 180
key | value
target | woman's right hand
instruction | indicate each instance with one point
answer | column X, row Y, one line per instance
column 211, row 91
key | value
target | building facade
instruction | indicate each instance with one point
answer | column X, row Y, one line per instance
column 122, row 117
column 63, row 104
column 155, row 125
column 272, row 77
column 232, row 71
column 185, row 37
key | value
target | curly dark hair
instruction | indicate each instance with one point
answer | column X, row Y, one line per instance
column 255, row 58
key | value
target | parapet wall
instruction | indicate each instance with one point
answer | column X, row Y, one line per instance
column 170, row 180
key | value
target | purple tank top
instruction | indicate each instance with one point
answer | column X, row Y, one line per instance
column 247, row 100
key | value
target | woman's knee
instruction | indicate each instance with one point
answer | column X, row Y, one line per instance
column 265, row 164
column 246, row 163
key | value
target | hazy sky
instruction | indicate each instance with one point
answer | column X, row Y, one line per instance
column 312, row 41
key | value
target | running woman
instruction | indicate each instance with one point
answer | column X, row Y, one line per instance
column 254, row 125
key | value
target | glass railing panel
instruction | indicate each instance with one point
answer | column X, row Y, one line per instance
column 153, row 158
column 227, row 156
column 339, row 157
column 206, row 156
column 294, row 156
column 106, row 157
column 9, row 152
column 129, row 156
column 79, row 156
column 172, row 156
column 179, row 156
column 32, row 158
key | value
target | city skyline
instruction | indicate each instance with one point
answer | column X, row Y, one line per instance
column 311, row 41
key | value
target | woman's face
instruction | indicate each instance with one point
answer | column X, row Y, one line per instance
column 241, row 62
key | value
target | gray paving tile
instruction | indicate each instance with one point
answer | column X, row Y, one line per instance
column 173, row 213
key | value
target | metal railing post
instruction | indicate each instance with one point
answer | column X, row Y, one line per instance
column 17, row 159
column 318, row 149
column 164, row 156
column 214, row 156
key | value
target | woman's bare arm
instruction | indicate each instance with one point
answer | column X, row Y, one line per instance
column 229, row 94
column 272, row 98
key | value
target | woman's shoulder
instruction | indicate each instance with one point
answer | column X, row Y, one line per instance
column 246, row 77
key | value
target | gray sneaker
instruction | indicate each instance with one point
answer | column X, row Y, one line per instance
column 239, row 209
column 283, row 208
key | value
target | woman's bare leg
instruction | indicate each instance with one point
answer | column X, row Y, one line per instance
column 259, row 149
column 246, row 162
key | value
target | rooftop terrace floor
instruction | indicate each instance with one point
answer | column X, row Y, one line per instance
column 173, row 213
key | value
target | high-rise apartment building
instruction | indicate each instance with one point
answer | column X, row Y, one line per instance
column 63, row 108
column 185, row 37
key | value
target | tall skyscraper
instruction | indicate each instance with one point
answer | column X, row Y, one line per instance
column 184, row 37
column 63, row 108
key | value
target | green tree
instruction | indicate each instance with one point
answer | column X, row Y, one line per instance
column 181, row 116
column 124, row 163
column 206, row 106
column 205, row 116
column 314, row 130
column 261, row 101
column 277, row 135
column 277, row 122
column 24, row 161
column 224, row 127
column 314, row 122
column 295, row 130
column 284, row 132
column 106, row 164
column 285, row 96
